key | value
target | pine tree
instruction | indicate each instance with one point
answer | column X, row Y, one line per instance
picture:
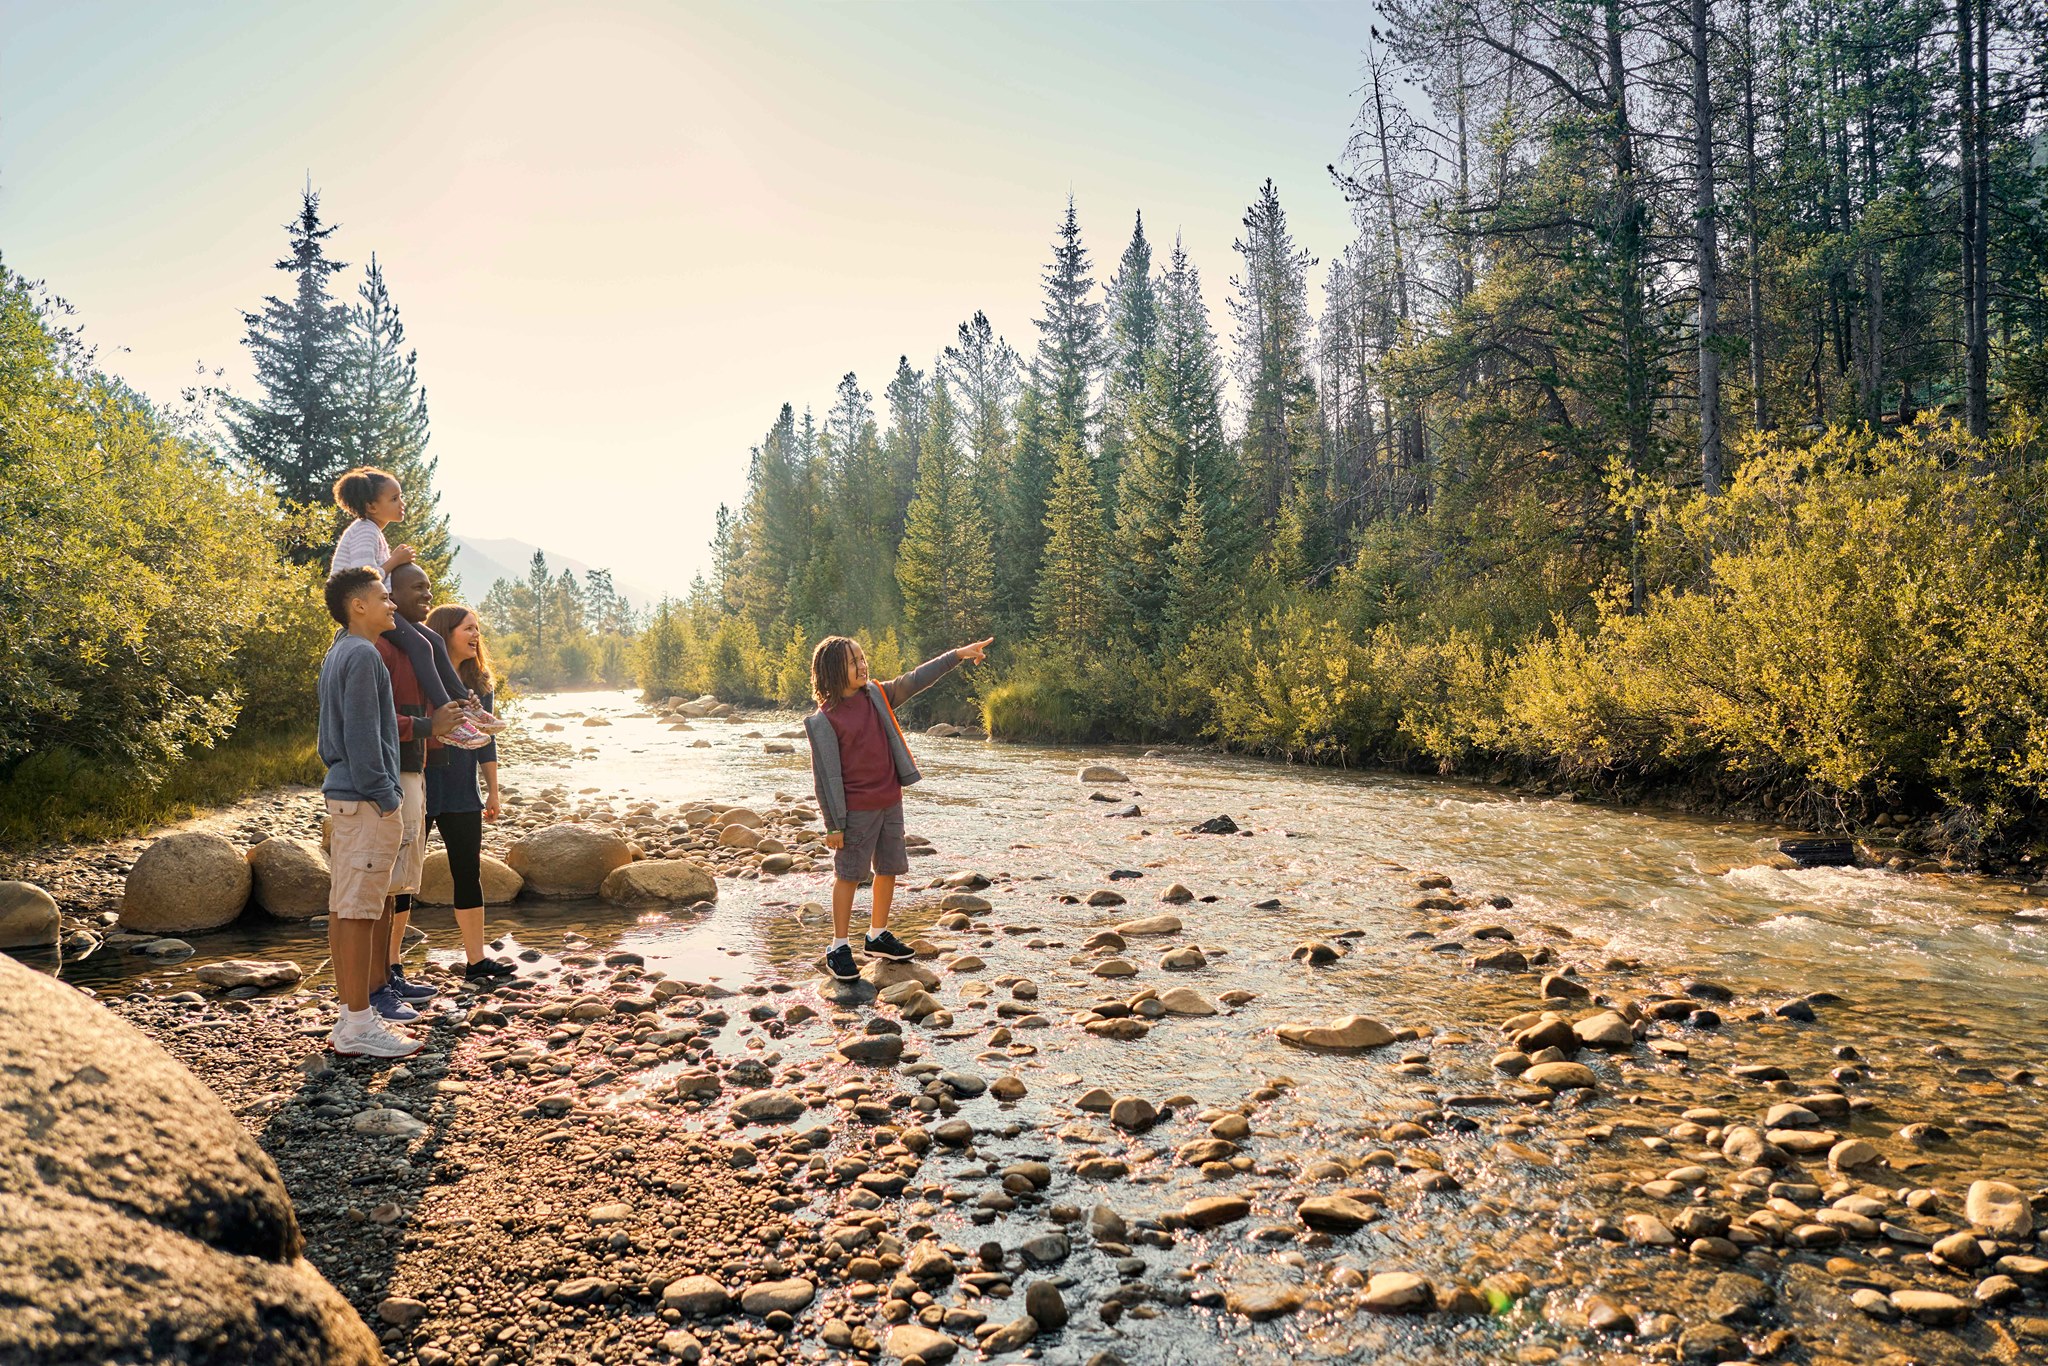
column 983, row 369
column 945, row 566
column 1072, row 590
column 910, row 398
column 1133, row 322
column 1178, row 447
column 536, row 619
column 1196, row 583
column 295, row 434
column 1057, row 408
column 1273, row 331
column 384, row 422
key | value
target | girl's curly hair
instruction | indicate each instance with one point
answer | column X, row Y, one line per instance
column 832, row 669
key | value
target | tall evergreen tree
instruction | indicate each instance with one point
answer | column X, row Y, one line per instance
column 1178, row 447
column 909, row 396
column 295, row 434
column 1072, row 602
column 1057, row 408
column 384, row 421
column 1273, row 333
column 945, row 566
column 983, row 370
column 1133, row 321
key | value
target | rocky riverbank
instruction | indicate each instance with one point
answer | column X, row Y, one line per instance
column 1143, row 1089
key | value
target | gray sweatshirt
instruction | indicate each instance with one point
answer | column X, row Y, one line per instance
column 826, row 774
column 358, row 725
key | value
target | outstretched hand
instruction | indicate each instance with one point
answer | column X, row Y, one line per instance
column 971, row 654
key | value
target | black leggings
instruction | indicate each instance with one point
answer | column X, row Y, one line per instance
column 428, row 655
column 463, row 833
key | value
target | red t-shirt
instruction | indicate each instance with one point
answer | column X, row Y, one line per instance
column 866, row 767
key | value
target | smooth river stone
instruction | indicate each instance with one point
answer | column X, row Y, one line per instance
column 1351, row 1032
column 1151, row 924
column 1335, row 1213
column 2001, row 1210
column 1212, row 1211
column 1562, row 1076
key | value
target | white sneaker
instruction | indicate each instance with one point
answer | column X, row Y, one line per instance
column 371, row 1038
column 465, row 736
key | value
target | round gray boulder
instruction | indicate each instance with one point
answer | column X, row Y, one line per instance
column 188, row 881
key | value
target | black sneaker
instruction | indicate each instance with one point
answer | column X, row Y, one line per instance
column 488, row 970
column 887, row 945
column 839, row 962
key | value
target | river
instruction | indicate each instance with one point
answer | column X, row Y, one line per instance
column 1938, row 986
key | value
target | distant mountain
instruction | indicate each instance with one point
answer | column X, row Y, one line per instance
column 482, row 563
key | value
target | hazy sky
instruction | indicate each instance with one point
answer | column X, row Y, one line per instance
column 622, row 234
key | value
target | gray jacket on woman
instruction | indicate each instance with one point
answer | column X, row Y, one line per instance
column 825, row 771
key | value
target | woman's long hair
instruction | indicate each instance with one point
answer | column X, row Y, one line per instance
column 476, row 674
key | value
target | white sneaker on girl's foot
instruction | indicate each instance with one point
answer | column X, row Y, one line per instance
column 367, row 1036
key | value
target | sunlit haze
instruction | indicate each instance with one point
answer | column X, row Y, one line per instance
column 621, row 235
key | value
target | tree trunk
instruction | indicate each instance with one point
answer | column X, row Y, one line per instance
column 1760, row 407
column 1704, row 232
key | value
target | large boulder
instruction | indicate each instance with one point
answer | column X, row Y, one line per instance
column 138, row 1220
column 290, row 877
column 658, row 882
column 567, row 860
column 189, row 880
column 28, row 916
column 437, row 888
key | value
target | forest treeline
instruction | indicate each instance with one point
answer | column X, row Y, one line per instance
column 1672, row 418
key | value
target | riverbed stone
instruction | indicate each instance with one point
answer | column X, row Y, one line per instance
column 1213, row 1211
column 788, row 1296
column 28, row 916
column 1185, row 959
column 437, row 887
column 1335, row 1213
column 907, row 1340
column 1178, row 894
column 1116, row 967
column 1931, row 1307
column 769, row 1107
column 1562, row 1076
column 1133, row 1113
column 567, row 859
column 289, row 878
column 1261, row 1302
column 2000, row 1209
column 673, row 881
column 1397, row 1292
column 1102, row 773
column 1164, row 923
column 186, row 882
column 1557, row 986
column 1046, row 1306
column 1351, row 1032
column 1607, row 1031
column 1186, row 1001
column 137, row 1210
column 255, row 973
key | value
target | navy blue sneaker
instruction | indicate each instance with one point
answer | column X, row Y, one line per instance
column 386, row 1003
column 839, row 962
column 887, row 945
column 406, row 990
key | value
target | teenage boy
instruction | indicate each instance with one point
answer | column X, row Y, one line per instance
column 359, row 745
column 412, row 596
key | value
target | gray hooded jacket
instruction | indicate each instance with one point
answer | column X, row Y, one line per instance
column 886, row 697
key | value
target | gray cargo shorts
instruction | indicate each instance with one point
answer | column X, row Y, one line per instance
column 874, row 844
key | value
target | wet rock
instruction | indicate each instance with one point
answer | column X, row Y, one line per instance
column 1397, row 1292
column 1930, row 1307
column 1103, row 773
column 883, row 973
column 28, row 916
column 437, row 886
column 883, row 1049
column 1350, row 1032
column 1711, row 1342
column 248, row 972
column 1163, row 923
column 139, row 1212
column 1647, row 1230
column 1605, row 1316
column 1960, row 1250
column 1557, row 986
column 1607, row 1031
column 1186, row 1001
column 1261, row 1302
column 289, row 878
column 1042, row 1301
column 1215, row 825
column 1047, row 1249
column 1737, row 1298
column 1010, row 1337
column 567, row 859
column 1007, row 1088
column 768, row 1107
column 658, row 882
column 769, row 1296
column 1116, row 967
column 1187, row 959
column 696, row 1297
column 929, row 1265
column 1177, row 894
column 1999, row 1209
column 1562, row 1076
column 1853, row 1153
column 1316, row 953
column 187, row 881
column 1213, row 1211
column 1744, row 1147
column 1503, row 960
column 1102, row 896
column 1132, row 1113
column 1335, row 1213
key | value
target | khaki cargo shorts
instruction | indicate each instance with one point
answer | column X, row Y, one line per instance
column 874, row 844
column 363, row 848
column 412, row 855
